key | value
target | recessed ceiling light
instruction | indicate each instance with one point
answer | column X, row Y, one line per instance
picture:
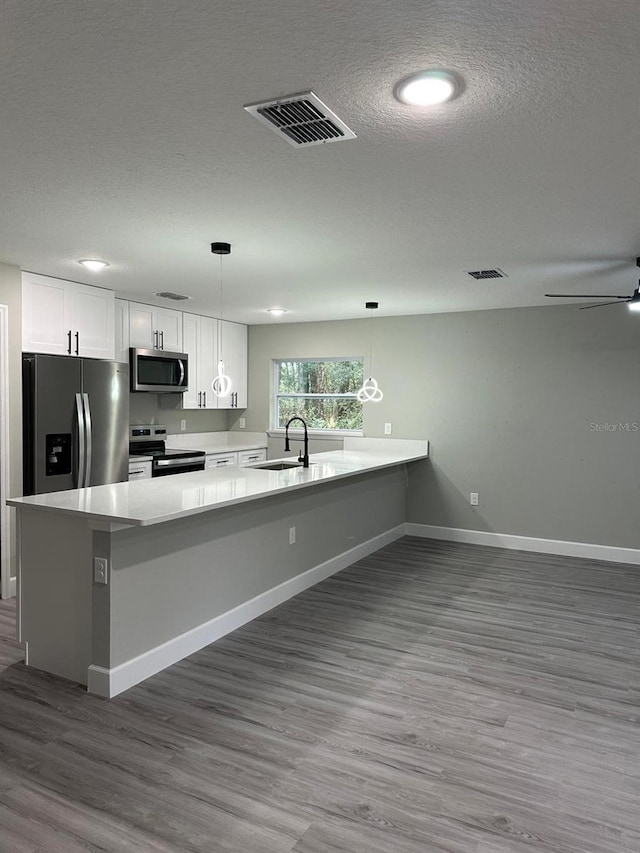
column 426, row 88
column 93, row 264
column 277, row 312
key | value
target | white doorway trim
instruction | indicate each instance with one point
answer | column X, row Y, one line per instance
column 7, row 582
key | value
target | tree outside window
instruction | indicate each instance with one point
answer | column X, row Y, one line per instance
column 322, row 391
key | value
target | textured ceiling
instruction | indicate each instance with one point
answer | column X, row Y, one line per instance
column 123, row 136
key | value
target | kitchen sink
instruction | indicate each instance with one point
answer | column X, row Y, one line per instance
column 276, row 466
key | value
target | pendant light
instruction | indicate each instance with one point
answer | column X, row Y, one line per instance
column 370, row 392
column 221, row 385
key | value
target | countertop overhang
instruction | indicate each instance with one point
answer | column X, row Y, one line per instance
column 154, row 501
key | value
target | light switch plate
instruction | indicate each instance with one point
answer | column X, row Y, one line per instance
column 387, row 429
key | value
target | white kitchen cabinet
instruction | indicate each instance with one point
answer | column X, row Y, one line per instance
column 242, row 458
column 200, row 341
column 220, row 460
column 66, row 318
column 233, row 352
column 139, row 470
column 151, row 327
column 122, row 331
column 207, row 340
column 252, row 457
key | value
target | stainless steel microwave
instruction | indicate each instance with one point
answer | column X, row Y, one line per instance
column 159, row 371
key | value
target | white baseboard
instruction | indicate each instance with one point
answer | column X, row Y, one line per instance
column 526, row 543
column 110, row 682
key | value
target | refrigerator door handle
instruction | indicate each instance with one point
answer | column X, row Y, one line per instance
column 82, row 458
column 87, row 419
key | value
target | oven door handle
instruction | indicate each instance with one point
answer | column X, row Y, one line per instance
column 177, row 463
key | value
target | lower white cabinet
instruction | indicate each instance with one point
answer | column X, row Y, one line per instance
column 139, row 470
column 241, row 458
column 220, row 460
column 252, row 457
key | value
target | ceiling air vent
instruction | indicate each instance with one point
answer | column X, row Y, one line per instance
column 301, row 119
column 167, row 294
column 478, row 274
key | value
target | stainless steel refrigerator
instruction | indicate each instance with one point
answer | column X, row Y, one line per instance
column 75, row 422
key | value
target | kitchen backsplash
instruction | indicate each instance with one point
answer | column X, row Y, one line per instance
column 165, row 409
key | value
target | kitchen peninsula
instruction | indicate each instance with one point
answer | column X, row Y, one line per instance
column 117, row 582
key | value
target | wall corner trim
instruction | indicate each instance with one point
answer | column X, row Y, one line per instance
column 110, row 682
column 610, row 553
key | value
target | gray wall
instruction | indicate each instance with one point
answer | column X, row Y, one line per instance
column 515, row 403
column 165, row 409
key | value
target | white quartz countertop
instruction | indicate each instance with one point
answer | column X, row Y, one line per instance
column 160, row 499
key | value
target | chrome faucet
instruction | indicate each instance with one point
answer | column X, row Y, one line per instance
column 304, row 458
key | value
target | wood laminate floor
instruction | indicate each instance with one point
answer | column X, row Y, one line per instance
column 432, row 697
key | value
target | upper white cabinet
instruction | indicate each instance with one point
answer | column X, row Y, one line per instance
column 200, row 340
column 233, row 352
column 65, row 318
column 206, row 341
column 122, row 331
column 155, row 328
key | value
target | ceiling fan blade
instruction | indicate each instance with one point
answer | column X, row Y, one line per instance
column 600, row 305
column 585, row 296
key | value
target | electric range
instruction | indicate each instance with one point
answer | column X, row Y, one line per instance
column 149, row 440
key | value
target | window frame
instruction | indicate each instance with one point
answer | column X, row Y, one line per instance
column 313, row 431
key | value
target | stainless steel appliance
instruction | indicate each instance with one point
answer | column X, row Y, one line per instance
column 159, row 371
column 149, row 440
column 75, row 418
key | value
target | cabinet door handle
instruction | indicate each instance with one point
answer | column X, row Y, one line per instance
column 204, row 395
column 69, row 345
column 141, row 471
column 155, row 340
column 199, row 399
column 77, row 343
column 162, row 340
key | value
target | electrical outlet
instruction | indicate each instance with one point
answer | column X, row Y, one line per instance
column 242, row 423
column 473, row 498
column 387, row 429
column 183, row 425
column 100, row 568
column 292, row 536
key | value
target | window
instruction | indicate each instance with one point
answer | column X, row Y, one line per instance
column 322, row 391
